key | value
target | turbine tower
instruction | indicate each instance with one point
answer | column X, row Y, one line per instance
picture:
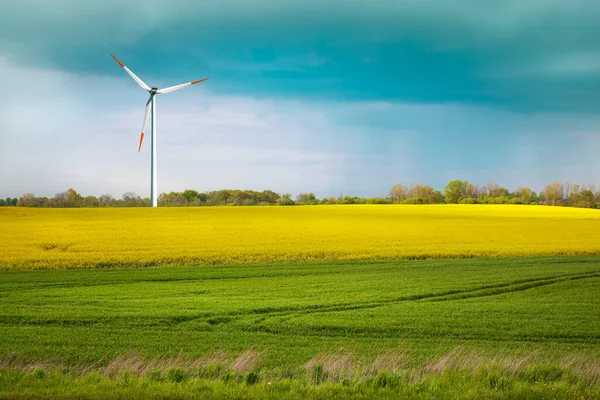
column 151, row 103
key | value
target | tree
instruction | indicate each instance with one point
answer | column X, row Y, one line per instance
column 469, row 200
column 202, row 197
column 189, row 194
column 105, row 200
column 60, row 199
column 553, row 194
column 569, row 190
column 525, row 195
column 328, row 200
column 436, row 197
column 241, row 196
column 499, row 192
column 28, row 200
column 415, row 190
column 306, row 198
column 398, row 193
column 91, row 201
column 2, row 202
column 377, row 200
column 221, row 197
column 349, row 200
column 72, row 198
column 425, row 193
column 455, row 191
column 413, row 200
column 586, row 199
column 268, row 196
column 488, row 188
column 473, row 190
column 285, row 200
column 131, row 199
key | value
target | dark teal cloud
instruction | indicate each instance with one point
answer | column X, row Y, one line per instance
column 523, row 55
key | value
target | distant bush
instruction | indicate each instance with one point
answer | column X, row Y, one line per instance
column 378, row 200
column 413, row 200
column 468, row 200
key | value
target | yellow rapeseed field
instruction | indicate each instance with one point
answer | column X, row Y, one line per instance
column 89, row 238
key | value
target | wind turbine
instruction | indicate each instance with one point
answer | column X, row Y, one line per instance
column 151, row 103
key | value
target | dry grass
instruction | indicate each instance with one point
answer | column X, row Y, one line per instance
column 447, row 361
column 8, row 361
column 218, row 358
column 336, row 364
column 460, row 359
column 586, row 369
column 14, row 361
column 511, row 364
column 391, row 360
column 139, row 366
column 246, row 361
column 136, row 364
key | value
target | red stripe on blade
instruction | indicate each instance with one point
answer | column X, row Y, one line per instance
column 200, row 80
column 117, row 60
column 141, row 140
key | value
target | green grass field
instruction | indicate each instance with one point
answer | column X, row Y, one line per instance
column 468, row 328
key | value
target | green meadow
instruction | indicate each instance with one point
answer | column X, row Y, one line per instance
column 465, row 328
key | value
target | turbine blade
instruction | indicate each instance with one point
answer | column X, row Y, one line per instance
column 177, row 87
column 134, row 76
column 146, row 112
column 141, row 140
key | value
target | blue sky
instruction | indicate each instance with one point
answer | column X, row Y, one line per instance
column 330, row 97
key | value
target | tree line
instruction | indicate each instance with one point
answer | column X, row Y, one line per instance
column 72, row 199
column 464, row 192
column 455, row 192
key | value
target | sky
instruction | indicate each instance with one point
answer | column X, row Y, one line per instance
column 330, row 97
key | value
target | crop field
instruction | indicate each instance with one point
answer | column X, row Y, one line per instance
column 463, row 328
column 90, row 238
column 431, row 302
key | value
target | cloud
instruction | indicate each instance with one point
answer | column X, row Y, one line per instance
column 74, row 130
column 80, row 129
column 533, row 56
column 564, row 65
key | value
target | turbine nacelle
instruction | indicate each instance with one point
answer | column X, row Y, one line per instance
column 154, row 90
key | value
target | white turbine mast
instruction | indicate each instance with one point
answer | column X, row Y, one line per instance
column 151, row 103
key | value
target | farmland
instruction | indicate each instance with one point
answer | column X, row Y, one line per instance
column 304, row 302
column 90, row 238
column 426, row 323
